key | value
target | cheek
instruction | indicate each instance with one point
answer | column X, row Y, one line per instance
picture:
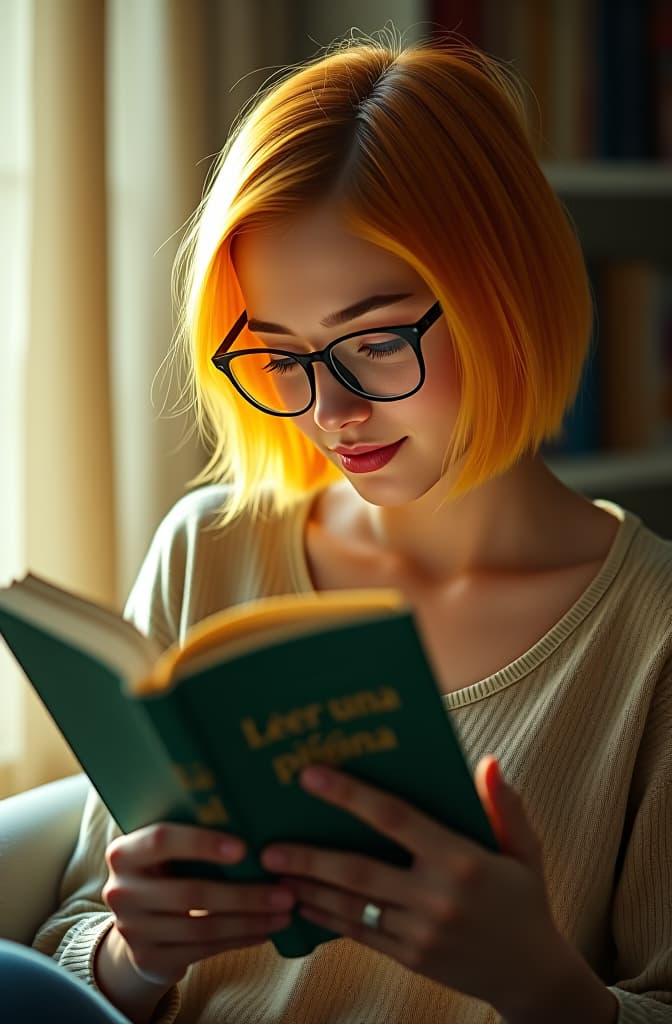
column 441, row 367
column 441, row 390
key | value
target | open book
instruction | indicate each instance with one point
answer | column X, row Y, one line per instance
column 216, row 731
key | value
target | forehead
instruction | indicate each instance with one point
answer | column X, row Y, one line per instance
column 313, row 257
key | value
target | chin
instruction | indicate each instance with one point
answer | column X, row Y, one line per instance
column 392, row 493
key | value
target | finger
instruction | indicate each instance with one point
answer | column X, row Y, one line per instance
column 168, row 896
column 342, row 906
column 375, row 938
column 181, row 930
column 388, row 814
column 353, row 875
column 506, row 813
column 157, row 844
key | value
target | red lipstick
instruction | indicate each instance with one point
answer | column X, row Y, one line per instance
column 365, row 458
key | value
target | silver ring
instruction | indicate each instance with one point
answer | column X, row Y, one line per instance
column 371, row 915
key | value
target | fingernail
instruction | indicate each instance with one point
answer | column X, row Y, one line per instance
column 231, row 848
column 315, row 778
column 274, row 859
column 496, row 777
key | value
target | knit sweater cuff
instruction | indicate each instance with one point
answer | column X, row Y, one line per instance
column 77, row 953
column 636, row 1009
column 79, row 945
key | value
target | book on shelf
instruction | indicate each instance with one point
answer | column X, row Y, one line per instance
column 661, row 43
column 624, row 402
column 216, row 731
column 579, row 434
column 580, row 430
column 635, row 322
column 624, row 84
column 597, row 73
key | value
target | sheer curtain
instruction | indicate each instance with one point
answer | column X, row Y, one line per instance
column 15, row 208
column 113, row 113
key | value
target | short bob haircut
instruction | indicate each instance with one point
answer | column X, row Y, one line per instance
column 426, row 150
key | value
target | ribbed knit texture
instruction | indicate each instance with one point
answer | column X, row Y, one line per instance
column 581, row 723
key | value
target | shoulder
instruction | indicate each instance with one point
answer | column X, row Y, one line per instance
column 197, row 523
column 197, row 565
column 640, row 604
column 641, row 560
column 192, row 512
column 648, row 567
column 165, row 577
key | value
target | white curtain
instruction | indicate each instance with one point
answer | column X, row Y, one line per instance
column 15, row 208
column 111, row 114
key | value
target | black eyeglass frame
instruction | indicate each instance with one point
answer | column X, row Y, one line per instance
column 411, row 333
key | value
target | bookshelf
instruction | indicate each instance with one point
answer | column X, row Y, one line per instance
column 598, row 88
column 639, row 481
column 622, row 211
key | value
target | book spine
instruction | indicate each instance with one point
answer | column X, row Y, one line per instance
column 664, row 358
column 661, row 45
column 580, row 431
column 567, row 71
column 190, row 764
column 629, row 340
column 624, row 80
column 463, row 17
column 540, row 36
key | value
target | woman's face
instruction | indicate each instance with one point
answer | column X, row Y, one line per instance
column 299, row 274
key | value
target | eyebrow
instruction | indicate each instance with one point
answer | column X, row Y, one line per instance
column 342, row 316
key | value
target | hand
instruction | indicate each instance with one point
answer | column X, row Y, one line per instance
column 461, row 915
column 168, row 923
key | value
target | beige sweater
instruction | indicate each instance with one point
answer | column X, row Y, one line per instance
column 582, row 724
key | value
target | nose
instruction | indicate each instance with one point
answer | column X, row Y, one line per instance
column 335, row 406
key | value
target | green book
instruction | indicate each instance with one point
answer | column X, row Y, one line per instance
column 215, row 732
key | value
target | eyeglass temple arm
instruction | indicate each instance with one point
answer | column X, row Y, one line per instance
column 430, row 316
column 232, row 335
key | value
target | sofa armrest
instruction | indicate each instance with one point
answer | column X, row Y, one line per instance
column 38, row 831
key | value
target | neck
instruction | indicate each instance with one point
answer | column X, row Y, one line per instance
column 525, row 519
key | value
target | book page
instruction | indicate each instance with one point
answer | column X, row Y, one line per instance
column 83, row 624
column 230, row 633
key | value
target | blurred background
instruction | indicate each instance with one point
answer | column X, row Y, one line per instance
column 112, row 112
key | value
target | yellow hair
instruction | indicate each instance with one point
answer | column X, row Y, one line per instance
column 426, row 151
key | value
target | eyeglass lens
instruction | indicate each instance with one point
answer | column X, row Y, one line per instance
column 379, row 365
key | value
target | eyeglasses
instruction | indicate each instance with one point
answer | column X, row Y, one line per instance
column 382, row 365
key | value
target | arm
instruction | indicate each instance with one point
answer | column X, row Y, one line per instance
column 641, row 907
column 80, row 934
column 571, row 993
column 83, row 935
column 642, row 904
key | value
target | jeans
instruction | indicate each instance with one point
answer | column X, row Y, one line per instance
column 33, row 988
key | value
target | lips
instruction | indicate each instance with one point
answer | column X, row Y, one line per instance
column 366, row 458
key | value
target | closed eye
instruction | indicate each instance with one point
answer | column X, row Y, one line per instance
column 383, row 349
column 280, row 366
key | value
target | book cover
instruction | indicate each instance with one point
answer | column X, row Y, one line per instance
column 222, row 744
column 661, row 47
column 624, row 80
column 629, row 342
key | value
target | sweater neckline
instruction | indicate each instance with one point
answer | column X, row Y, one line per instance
column 547, row 644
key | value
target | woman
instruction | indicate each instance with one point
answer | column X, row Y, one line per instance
column 386, row 312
